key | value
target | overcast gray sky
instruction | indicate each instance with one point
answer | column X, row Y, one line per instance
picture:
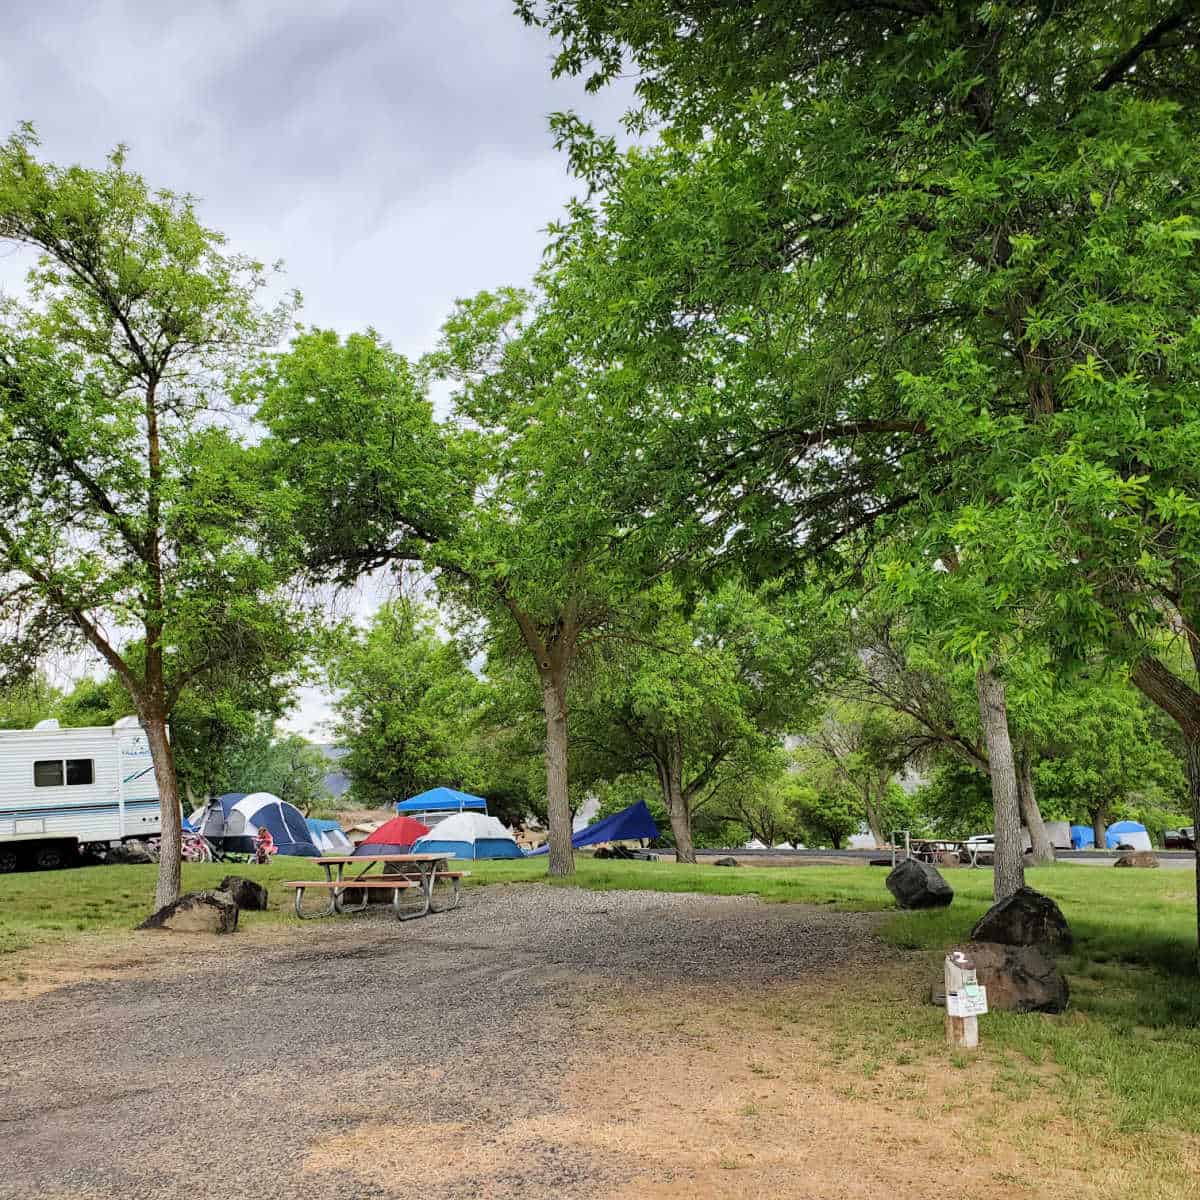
column 394, row 153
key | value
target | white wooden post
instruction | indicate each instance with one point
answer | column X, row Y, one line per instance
column 965, row 999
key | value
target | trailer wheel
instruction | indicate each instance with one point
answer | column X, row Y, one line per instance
column 51, row 856
column 9, row 859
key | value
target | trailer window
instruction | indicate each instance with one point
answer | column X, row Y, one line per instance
column 79, row 770
column 48, row 773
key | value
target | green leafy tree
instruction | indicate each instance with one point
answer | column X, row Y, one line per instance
column 510, row 507
column 218, row 727
column 408, row 707
column 287, row 766
column 933, row 271
column 132, row 517
column 25, row 703
column 704, row 695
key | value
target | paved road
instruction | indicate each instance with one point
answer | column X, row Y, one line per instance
column 1169, row 858
column 228, row 1074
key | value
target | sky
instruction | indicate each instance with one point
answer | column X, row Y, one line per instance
column 395, row 154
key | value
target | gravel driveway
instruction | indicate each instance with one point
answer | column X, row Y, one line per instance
column 215, row 1076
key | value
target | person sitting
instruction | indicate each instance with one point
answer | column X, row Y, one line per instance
column 264, row 846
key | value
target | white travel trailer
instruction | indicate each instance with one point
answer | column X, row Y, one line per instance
column 63, row 789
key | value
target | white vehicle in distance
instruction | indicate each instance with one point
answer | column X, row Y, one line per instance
column 980, row 848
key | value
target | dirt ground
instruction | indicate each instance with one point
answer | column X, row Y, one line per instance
column 539, row 1042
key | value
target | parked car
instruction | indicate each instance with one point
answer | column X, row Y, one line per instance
column 1180, row 839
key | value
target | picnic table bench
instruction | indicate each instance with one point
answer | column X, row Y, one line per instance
column 399, row 873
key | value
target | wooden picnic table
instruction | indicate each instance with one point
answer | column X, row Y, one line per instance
column 408, row 871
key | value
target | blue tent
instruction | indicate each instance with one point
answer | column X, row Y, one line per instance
column 1082, row 837
column 1129, row 833
column 234, row 820
column 468, row 835
column 440, row 800
column 629, row 825
column 328, row 836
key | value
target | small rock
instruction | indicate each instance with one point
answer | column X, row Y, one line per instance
column 918, row 885
column 727, row 861
column 1137, row 858
column 245, row 892
column 1017, row 978
column 1026, row 918
column 129, row 853
column 196, row 912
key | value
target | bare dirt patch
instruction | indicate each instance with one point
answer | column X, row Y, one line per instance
column 539, row 1042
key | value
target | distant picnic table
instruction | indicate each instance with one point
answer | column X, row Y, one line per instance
column 398, row 873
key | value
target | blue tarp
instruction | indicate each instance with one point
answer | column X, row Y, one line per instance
column 1082, row 836
column 629, row 825
column 442, row 799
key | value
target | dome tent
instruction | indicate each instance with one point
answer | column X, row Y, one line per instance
column 328, row 836
column 392, row 837
column 469, row 835
column 1128, row 833
column 234, row 820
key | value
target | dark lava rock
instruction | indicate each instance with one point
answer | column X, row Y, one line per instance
column 196, row 912
column 245, row 892
column 1026, row 918
column 1017, row 978
column 727, row 861
column 918, row 885
column 1137, row 858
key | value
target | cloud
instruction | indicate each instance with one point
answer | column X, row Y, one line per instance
column 394, row 153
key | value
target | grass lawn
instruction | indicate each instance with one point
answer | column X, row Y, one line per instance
column 1130, row 1041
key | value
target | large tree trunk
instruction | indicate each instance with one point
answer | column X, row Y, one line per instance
column 558, row 803
column 1192, row 754
column 163, row 758
column 1031, row 814
column 1009, row 870
column 679, row 806
column 1181, row 703
column 1099, row 826
column 873, row 806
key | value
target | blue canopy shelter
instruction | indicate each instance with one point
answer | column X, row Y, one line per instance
column 442, row 799
column 629, row 825
column 439, row 803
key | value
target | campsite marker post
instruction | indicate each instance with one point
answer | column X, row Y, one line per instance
column 965, row 1001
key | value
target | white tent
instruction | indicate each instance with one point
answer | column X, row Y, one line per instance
column 469, row 835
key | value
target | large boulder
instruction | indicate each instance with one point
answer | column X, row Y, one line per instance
column 1026, row 918
column 918, row 885
column 1017, row 978
column 245, row 892
column 1137, row 858
column 727, row 861
column 196, row 912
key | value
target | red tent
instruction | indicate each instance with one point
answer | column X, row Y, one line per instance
column 393, row 837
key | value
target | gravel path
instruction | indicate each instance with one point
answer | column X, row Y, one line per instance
column 215, row 1077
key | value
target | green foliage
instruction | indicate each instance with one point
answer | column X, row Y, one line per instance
column 22, row 705
column 288, row 767
column 408, row 707
column 703, row 694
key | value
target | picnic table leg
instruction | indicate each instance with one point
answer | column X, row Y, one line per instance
column 339, row 891
column 426, row 892
column 327, row 911
column 455, row 898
